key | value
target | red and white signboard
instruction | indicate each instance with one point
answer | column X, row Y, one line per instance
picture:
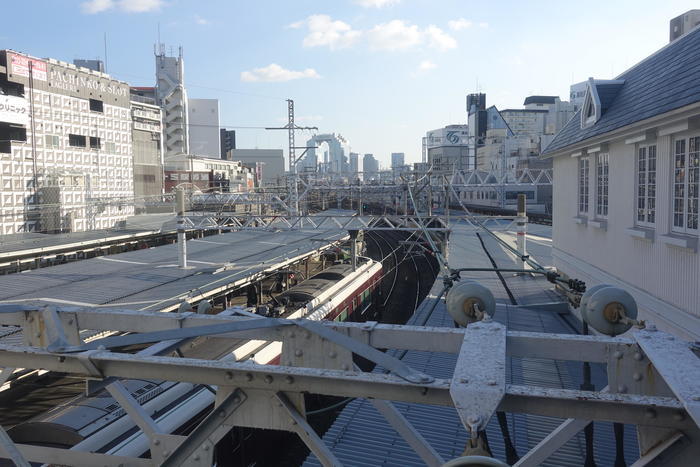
column 19, row 65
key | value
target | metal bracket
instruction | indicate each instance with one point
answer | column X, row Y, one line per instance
column 677, row 364
column 134, row 409
column 85, row 359
column 388, row 362
column 479, row 381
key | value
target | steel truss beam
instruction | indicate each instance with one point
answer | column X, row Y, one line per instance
column 482, row 374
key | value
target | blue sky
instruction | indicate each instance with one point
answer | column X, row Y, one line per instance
column 380, row 72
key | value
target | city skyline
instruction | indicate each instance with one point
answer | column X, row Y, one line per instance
column 325, row 57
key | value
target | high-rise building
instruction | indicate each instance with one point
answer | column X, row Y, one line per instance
column 370, row 167
column 203, row 127
column 73, row 153
column 171, row 96
column 333, row 150
column 228, row 142
column 397, row 160
column 147, row 138
column 354, row 162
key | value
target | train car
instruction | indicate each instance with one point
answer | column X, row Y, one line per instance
column 98, row 424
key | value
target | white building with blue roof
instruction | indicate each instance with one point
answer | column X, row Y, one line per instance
column 627, row 186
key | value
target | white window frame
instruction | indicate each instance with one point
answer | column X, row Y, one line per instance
column 602, row 185
column 685, row 177
column 583, row 193
column 645, row 185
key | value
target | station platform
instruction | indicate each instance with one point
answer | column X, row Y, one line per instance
column 360, row 436
column 150, row 279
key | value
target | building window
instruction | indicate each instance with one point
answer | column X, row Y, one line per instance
column 583, row 184
column 77, row 141
column 95, row 142
column 686, row 178
column 97, row 105
column 602, row 169
column 646, row 185
column 52, row 141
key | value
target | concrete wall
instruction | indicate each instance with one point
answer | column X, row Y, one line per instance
column 203, row 121
column 663, row 278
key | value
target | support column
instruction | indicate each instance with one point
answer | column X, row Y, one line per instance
column 522, row 226
column 181, row 236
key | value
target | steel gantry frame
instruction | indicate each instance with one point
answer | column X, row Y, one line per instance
column 654, row 379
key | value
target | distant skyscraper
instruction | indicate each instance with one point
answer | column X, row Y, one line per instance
column 228, row 141
column 370, row 167
column 354, row 162
column 397, row 159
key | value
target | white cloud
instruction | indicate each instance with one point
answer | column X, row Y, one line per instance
column 439, row 39
column 426, row 65
column 199, row 20
column 399, row 35
column 457, row 25
column 324, row 31
column 129, row 6
column 394, row 35
column 96, row 6
column 483, row 25
column 376, row 3
column 275, row 73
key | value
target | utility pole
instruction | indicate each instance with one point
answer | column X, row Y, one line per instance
column 291, row 127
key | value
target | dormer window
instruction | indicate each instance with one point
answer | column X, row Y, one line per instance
column 600, row 95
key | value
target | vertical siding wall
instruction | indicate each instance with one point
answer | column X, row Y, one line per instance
column 664, row 279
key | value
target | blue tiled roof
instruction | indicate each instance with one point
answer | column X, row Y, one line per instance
column 665, row 81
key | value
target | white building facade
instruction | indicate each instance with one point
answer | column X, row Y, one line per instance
column 66, row 164
column 203, row 122
column 627, row 185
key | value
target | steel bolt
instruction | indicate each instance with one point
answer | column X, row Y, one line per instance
column 638, row 356
column 622, row 388
column 637, row 376
column 156, row 442
column 678, row 416
column 651, row 328
column 222, row 414
column 464, row 380
column 196, row 457
column 166, row 453
column 617, row 354
column 473, row 419
column 346, row 367
column 332, row 354
column 236, row 400
column 298, row 352
column 268, row 379
column 229, row 375
column 248, row 377
column 650, row 413
column 491, row 382
column 206, row 447
column 289, row 379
